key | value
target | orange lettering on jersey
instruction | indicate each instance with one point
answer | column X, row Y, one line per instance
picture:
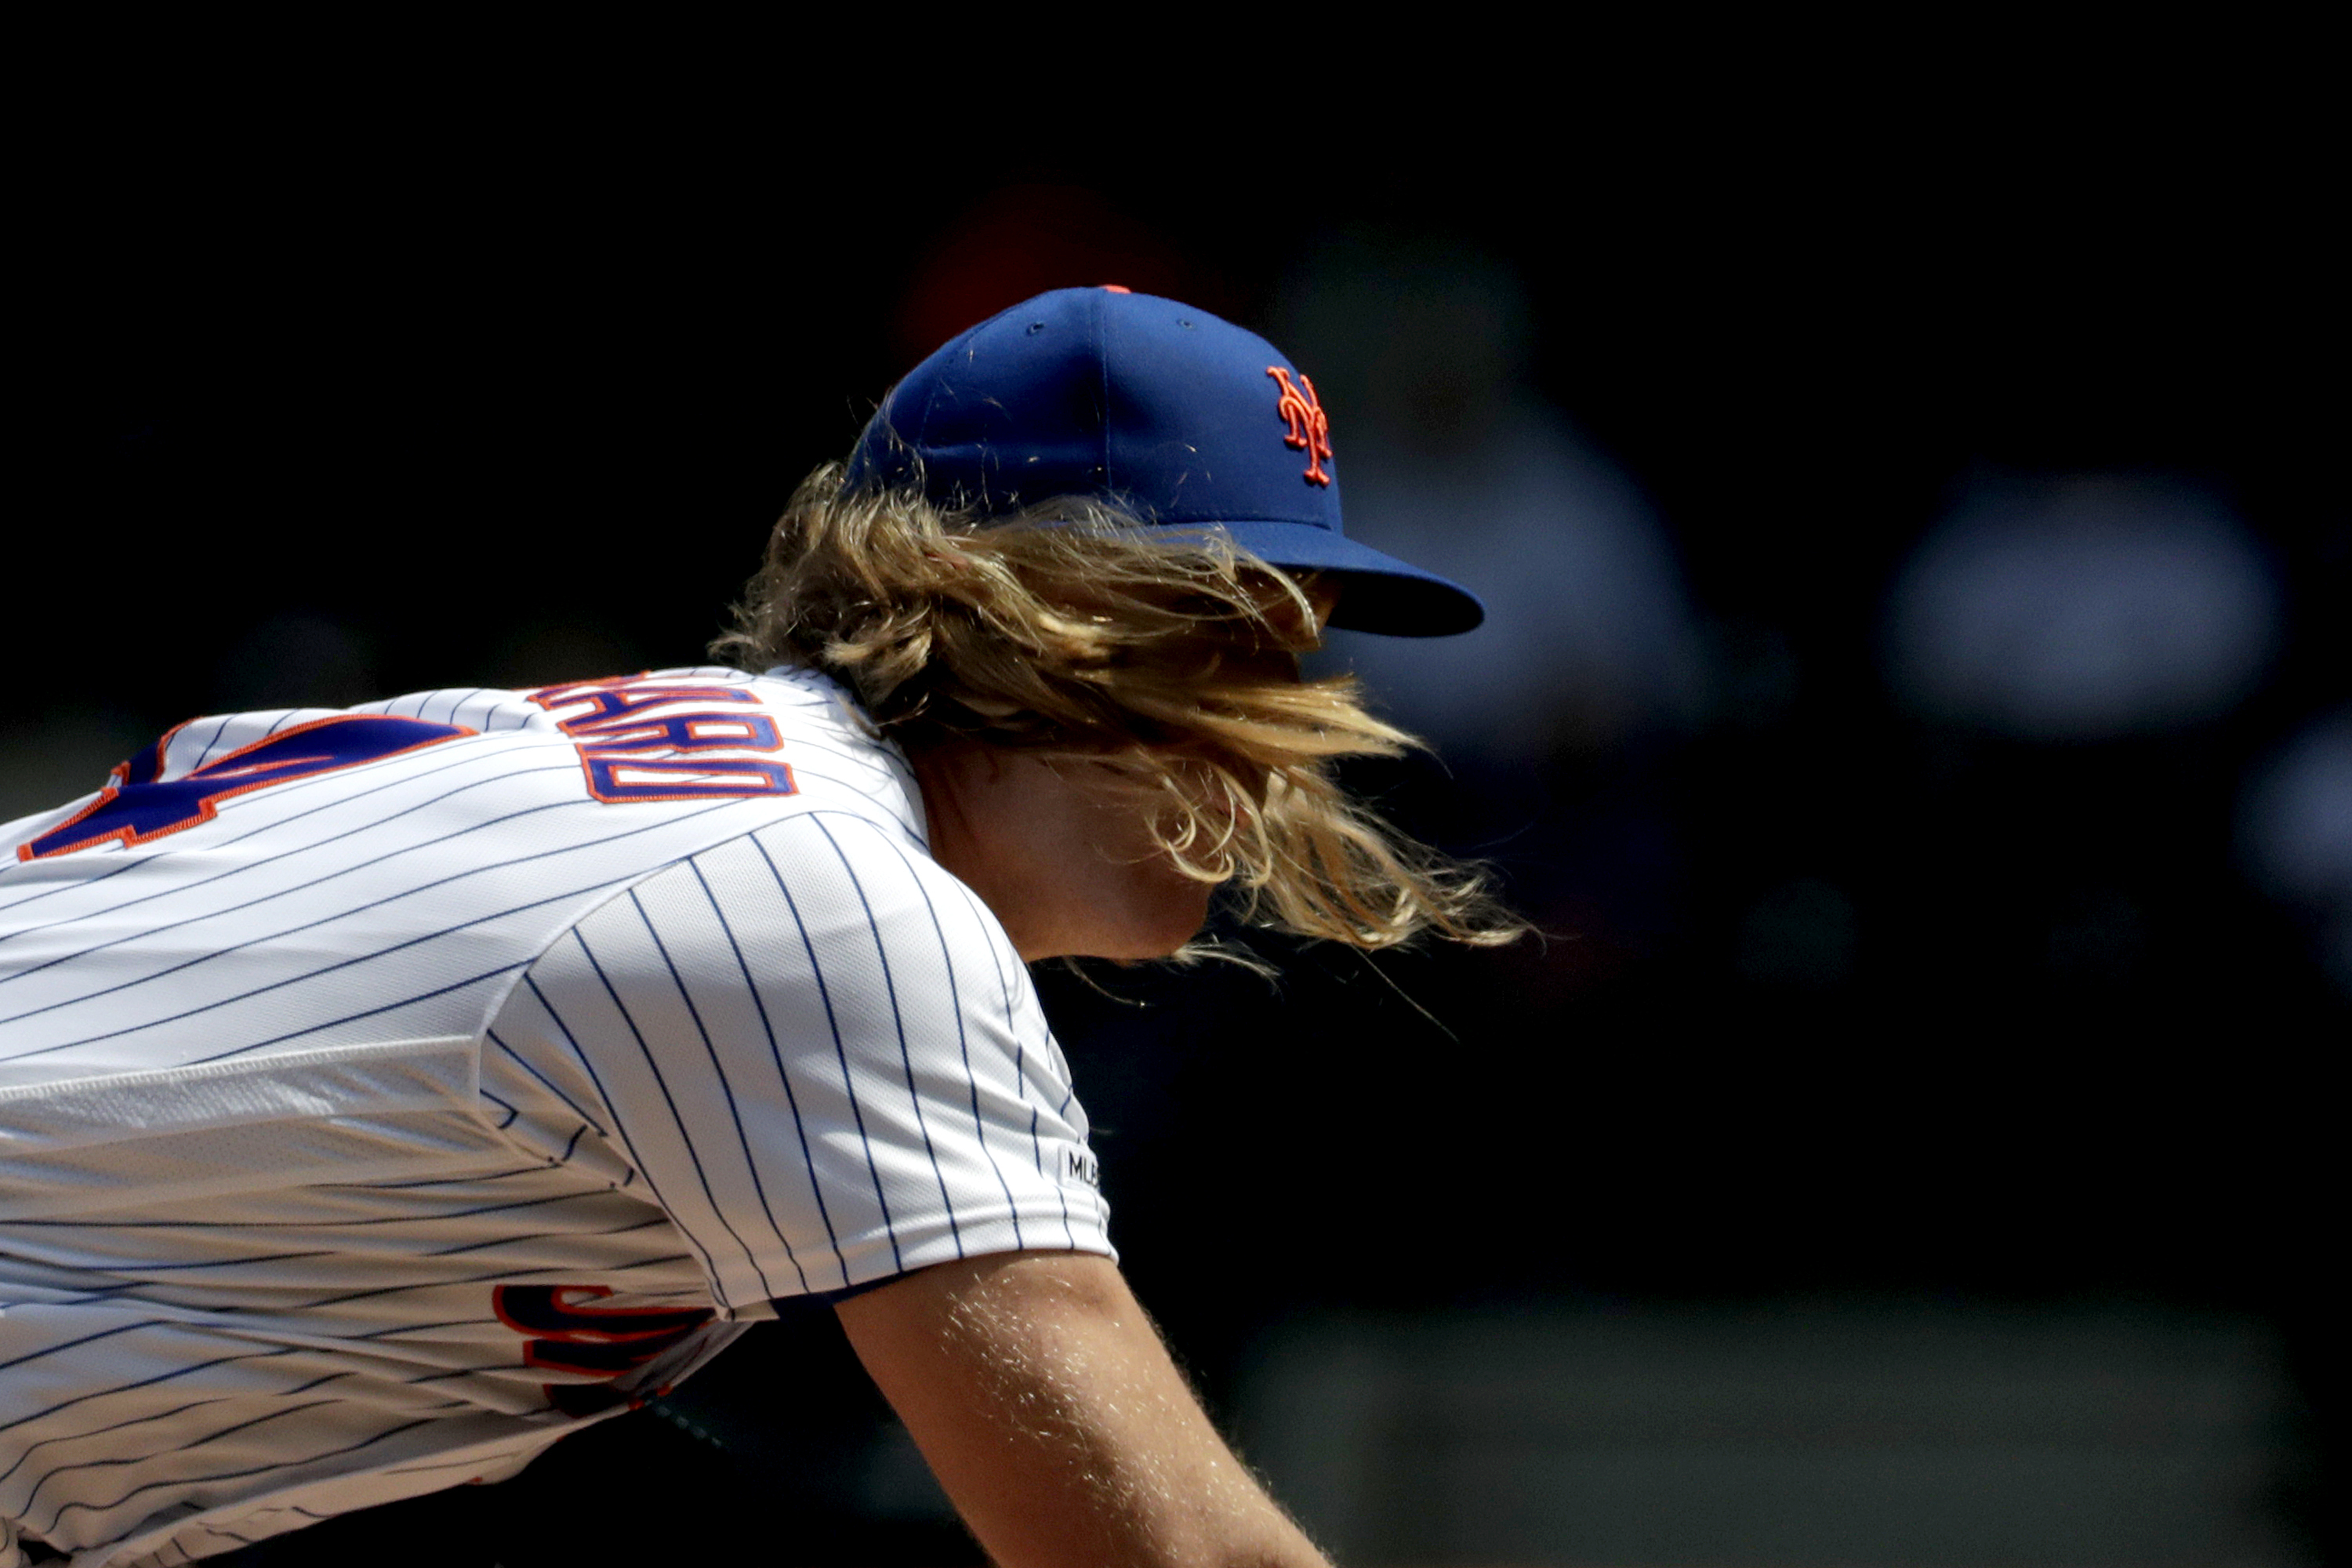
column 1310, row 432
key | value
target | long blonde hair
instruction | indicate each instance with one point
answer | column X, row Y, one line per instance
column 1071, row 632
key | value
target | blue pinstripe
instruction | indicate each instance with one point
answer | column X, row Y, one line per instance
column 800, row 1130
column 661, row 1081
column 492, row 1036
column 162, row 859
column 181, row 888
column 283, row 1350
column 69, row 1344
column 899, row 1023
column 26, row 1507
column 212, row 953
column 114, row 1294
column 220, row 728
column 338, row 1225
column 597, row 1078
column 144, row 1381
column 379, row 953
column 32, row 1448
column 58, row 1517
column 841, row 1054
column 963, row 1044
column 719, row 1071
column 1021, row 1074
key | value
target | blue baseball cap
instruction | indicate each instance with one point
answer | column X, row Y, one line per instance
column 1177, row 417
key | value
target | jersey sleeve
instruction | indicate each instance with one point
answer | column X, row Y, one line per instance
column 819, row 1051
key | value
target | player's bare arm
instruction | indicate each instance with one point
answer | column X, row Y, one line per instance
column 1049, row 1409
column 1033, row 1382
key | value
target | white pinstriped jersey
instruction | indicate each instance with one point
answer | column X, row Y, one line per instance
column 385, row 1093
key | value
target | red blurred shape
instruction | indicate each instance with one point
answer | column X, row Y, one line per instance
column 1025, row 239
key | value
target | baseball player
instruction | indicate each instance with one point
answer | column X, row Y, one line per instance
column 386, row 1093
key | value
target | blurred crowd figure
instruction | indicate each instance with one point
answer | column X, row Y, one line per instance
column 1448, row 456
column 2082, row 608
column 2295, row 832
column 2097, row 607
column 1422, row 359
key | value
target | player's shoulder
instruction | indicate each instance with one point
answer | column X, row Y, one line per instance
column 682, row 736
column 662, row 743
column 798, row 727
column 613, row 705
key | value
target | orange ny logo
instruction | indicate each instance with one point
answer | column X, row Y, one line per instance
column 1309, row 431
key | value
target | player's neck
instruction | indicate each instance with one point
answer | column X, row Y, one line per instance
column 1066, row 871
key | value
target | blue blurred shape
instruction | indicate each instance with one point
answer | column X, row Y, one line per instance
column 1589, row 639
column 1452, row 458
column 2294, row 833
column 2081, row 609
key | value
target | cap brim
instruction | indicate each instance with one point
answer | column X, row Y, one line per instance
column 1379, row 593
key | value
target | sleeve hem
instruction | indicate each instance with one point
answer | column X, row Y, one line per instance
column 866, row 1261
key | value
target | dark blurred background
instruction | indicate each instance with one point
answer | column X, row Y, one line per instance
column 1916, row 707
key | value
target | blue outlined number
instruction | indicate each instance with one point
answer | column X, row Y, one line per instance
column 138, row 805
